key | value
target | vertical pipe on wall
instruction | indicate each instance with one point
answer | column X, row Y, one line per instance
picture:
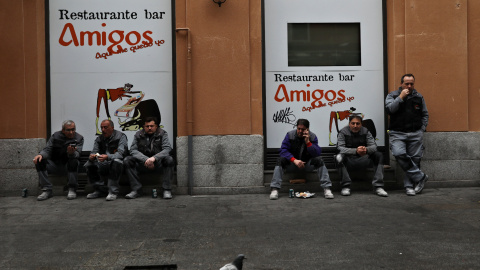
column 189, row 112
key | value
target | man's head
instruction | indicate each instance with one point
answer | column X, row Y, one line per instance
column 107, row 128
column 302, row 125
column 68, row 129
column 408, row 82
column 151, row 125
column 355, row 123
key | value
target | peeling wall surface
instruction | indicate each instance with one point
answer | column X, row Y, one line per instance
column 436, row 40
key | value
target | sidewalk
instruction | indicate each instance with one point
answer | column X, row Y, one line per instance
column 439, row 229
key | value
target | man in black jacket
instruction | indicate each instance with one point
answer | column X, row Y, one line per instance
column 408, row 121
column 106, row 161
column 358, row 150
column 150, row 152
column 60, row 155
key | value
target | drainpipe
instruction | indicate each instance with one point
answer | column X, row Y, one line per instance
column 189, row 112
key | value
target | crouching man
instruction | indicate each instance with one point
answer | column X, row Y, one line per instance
column 358, row 150
column 106, row 161
column 300, row 151
column 60, row 155
column 150, row 152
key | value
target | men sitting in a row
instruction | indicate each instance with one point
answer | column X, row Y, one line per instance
column 150, row 152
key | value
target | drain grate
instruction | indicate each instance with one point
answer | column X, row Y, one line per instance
column 154, row 267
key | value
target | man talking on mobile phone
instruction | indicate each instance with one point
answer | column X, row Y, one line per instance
column 300, row 151
column 60, row 155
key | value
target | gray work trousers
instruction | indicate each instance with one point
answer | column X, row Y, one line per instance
column 60, row 167
column 134, row 167
column 100, row 172
column 346, row 163
column 407, row 148
column 286, row 165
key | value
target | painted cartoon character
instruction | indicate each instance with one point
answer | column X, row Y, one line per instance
column 144, row 109
column 112, row 95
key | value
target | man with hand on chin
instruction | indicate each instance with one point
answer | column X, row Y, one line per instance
column 408, row 121
column 300, row 151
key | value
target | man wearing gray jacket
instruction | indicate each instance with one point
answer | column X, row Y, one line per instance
column 358, row 150
column 105, row 162
column 150, row 152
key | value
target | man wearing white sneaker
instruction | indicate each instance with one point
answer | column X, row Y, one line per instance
column 358, row 150
column 105, row 162
column 60, row 155
column 408, row 121
column 300, row 151
column 150, row 152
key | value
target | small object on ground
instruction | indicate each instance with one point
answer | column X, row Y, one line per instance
column 304, row 195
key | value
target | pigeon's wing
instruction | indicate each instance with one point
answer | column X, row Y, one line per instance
column 229, row 266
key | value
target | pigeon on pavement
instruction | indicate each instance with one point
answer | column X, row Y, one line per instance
column 237, row 264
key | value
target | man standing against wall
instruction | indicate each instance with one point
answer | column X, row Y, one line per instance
column 106, row 161
column 150, row 153
column 358, row 150
column 300, row 151
column 408, row 121
column 60, row 155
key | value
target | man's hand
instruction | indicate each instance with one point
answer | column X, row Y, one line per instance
column 361, row 151
column 150, row 163
column 103, row 157
column 300, row 164
column 306, row 136
column 71, row 149
column 405, row 92
column 37, row 158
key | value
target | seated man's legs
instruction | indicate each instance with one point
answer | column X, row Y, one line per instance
column 166, row 165
column 342, row 171
column 377, row 159
column 131, row 167
column 97, row 174
column 115, row 171
column 322, row 172
column 282, row 164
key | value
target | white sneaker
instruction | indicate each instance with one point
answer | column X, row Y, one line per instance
column 274, row 194
column 71, row 194
column 167, row 194
column 328, row 193
column 381, row 192
column 93, row 195
column 345, row 191
column 45, row 195
column 410, row 192
column 111, row 197
column 131, row 195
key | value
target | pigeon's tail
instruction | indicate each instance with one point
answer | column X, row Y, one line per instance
column 237, row 264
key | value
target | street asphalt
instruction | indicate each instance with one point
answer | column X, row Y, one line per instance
column 438, row 229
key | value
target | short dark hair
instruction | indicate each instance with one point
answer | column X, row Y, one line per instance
column 152, row 118
column 109, row 121
column 355, row 116
column 407, row 75
column 304, row 122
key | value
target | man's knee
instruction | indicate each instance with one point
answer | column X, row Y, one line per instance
column 72, row 164
column 317, row 162
column 377, row 157
column 168, row 161
column 129, row 162
column 42, row 165
column 339, row 159
column 282, row 162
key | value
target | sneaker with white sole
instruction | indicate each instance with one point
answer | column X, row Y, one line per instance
column 345, row 191
column 93, row 195
column 71, row 194
column 381, row 192
column 328, row 193
column 410, row 192
column 167, row 194
column 111, row 197
column 131, row 195
column 421, row 184
column 274, row 194
column 46, row 194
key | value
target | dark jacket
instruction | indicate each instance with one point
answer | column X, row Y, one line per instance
column 56, row 148
column 347, row 141
column 295, row 147
column 407, row 115
column 144, row 146
column 116, row 146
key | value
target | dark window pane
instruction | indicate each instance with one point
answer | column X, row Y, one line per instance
column 324, row 44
